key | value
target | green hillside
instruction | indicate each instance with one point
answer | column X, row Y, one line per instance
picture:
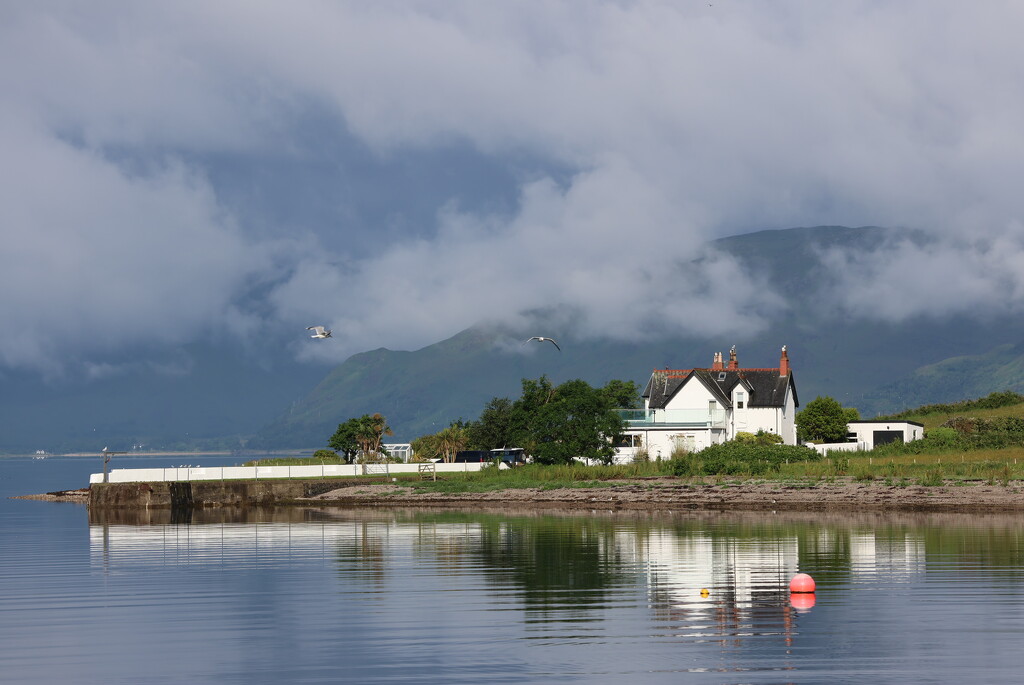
column 953, row 379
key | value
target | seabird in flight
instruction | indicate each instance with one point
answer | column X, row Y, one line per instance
column 319, row 331
column 542, row 339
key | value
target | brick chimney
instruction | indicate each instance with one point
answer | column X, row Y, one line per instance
column 733, row 364
column 784, row 363
column 717, row 365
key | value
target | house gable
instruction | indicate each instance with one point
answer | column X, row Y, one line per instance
column 695, row 393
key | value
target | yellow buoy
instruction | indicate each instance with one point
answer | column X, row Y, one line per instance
column 704, row 592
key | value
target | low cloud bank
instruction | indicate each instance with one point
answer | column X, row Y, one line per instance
column 633, row 132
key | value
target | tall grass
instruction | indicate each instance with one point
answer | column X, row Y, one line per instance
column 543, row 477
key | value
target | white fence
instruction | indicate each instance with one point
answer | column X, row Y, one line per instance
column 183, row 473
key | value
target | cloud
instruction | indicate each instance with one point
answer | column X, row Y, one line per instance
column 96, row 260
column 980, row 275
column 631, row 133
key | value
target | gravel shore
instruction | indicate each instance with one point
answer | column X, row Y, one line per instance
column 839, row 494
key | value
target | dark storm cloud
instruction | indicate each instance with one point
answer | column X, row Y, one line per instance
column 619, row 138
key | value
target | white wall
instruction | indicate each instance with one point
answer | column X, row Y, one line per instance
column 693, row 395
column 753, row 420
column 788, row 418
column 269, row 472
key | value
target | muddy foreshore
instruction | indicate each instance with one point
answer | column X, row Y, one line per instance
column 649, row 494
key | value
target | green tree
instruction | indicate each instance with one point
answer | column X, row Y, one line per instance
column 452, row 440
column 325, row 455
column 571, row 421
column 623, row 394
column 370, row 434
column 824, row 420
column 525, row 414
column 426, row 447
column 494, row 427
column 344, row 440
column 364, row 435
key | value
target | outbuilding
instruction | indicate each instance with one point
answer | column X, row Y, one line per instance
column 876, row 433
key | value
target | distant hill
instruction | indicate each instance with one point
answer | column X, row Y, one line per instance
column 876, row 367
column 956, row 378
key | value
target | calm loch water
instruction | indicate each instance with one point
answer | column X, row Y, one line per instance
column 398, row 596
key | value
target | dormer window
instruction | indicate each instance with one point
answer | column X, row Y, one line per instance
column 740, row 398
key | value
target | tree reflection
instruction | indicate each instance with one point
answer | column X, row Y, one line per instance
column 560, row 564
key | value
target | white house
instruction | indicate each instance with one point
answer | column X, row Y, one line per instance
column 695, row 408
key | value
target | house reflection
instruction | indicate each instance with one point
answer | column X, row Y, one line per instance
column 566, row 567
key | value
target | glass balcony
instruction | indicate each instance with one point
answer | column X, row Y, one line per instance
column 673, row 418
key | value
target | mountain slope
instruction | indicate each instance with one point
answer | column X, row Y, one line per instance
column 422, row 391
column 957, row 378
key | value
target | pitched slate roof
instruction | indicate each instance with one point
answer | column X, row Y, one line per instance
column 765, row 387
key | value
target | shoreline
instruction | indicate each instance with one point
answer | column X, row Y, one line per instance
column 840, row 494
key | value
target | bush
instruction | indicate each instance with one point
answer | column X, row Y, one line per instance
column 734, row 458
column 762, row 437
column 325, row 455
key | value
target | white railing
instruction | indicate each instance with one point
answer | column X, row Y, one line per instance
column 183, row 473
column 704, row 418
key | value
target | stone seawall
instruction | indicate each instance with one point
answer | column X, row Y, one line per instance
column 203, row 494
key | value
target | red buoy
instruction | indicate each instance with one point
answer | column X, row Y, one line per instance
column 801, row 583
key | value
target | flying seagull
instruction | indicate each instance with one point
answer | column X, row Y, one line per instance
column 319, row 331
column 542, row 339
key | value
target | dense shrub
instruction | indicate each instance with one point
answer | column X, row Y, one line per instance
column 961, row 434
column 762, row 437
column 326, row 455
column 1004, row 424
column 935, row 441
column 734, row 458
column 1006, row 431
column 944, row 437
column 995, row 400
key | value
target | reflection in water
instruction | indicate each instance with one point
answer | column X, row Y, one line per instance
column 400, row 596
column 559, row 570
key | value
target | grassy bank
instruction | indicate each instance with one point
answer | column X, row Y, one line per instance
column 995, row 466
column 970, row 442
column 928, row 469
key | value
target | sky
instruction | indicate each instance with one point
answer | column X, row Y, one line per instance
column 233, row 172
